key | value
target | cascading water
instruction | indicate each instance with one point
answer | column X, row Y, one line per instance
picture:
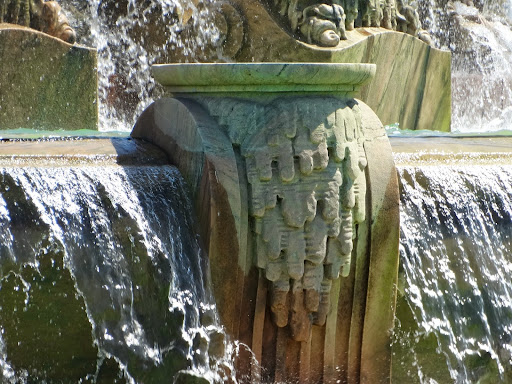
column 456, row 257
column 130, row 36
column 455, row 307
column 479, row 35
column 101, row 278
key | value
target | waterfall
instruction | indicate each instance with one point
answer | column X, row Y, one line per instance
column 455, row 310
column 130, row 36
column 479, row 35
column 101, row 277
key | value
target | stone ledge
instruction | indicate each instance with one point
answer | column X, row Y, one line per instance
column 68, row 152
column 463, row 151
column 263, row 77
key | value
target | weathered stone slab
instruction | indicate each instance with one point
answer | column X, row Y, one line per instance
column 68, row 151
column 412, row 85
column 45, row 83
column 263, row 77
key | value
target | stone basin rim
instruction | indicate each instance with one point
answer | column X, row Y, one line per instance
column 263, row 77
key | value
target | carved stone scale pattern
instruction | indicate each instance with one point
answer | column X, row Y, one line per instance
column 305, row 166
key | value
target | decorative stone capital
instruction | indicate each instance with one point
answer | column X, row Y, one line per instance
column 281, row 157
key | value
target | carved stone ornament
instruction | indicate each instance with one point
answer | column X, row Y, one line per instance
column 305, row 165
column 325, row 23
column 304, row 162
column 297, row 198
column 44, row 16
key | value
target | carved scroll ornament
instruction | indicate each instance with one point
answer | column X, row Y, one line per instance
column 324, row 23
column 44, row 16
column 305, row 167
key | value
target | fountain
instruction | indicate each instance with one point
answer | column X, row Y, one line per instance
column 454, row 307
column 293, row 181
column 288, row 179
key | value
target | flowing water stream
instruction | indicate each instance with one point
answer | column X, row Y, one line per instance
column 101, row 278
column 455, row 307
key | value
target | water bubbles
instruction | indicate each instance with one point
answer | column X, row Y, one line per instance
column 107, row 336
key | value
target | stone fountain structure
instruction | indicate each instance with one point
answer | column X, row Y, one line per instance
column 293, row 179
column 297, row 198
column 412, row 84
column 292, row 176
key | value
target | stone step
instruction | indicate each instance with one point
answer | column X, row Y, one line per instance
column 79, row 151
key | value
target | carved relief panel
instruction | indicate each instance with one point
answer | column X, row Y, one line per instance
column 305, row 163
column 325, row 23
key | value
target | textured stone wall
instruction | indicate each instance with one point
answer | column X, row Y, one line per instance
column 45, row 83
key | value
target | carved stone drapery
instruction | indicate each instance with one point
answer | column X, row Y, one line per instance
column 294, row 185
column 305, row 162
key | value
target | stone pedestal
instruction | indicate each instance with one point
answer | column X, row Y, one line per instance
column 297, row 199
column 412, row 83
